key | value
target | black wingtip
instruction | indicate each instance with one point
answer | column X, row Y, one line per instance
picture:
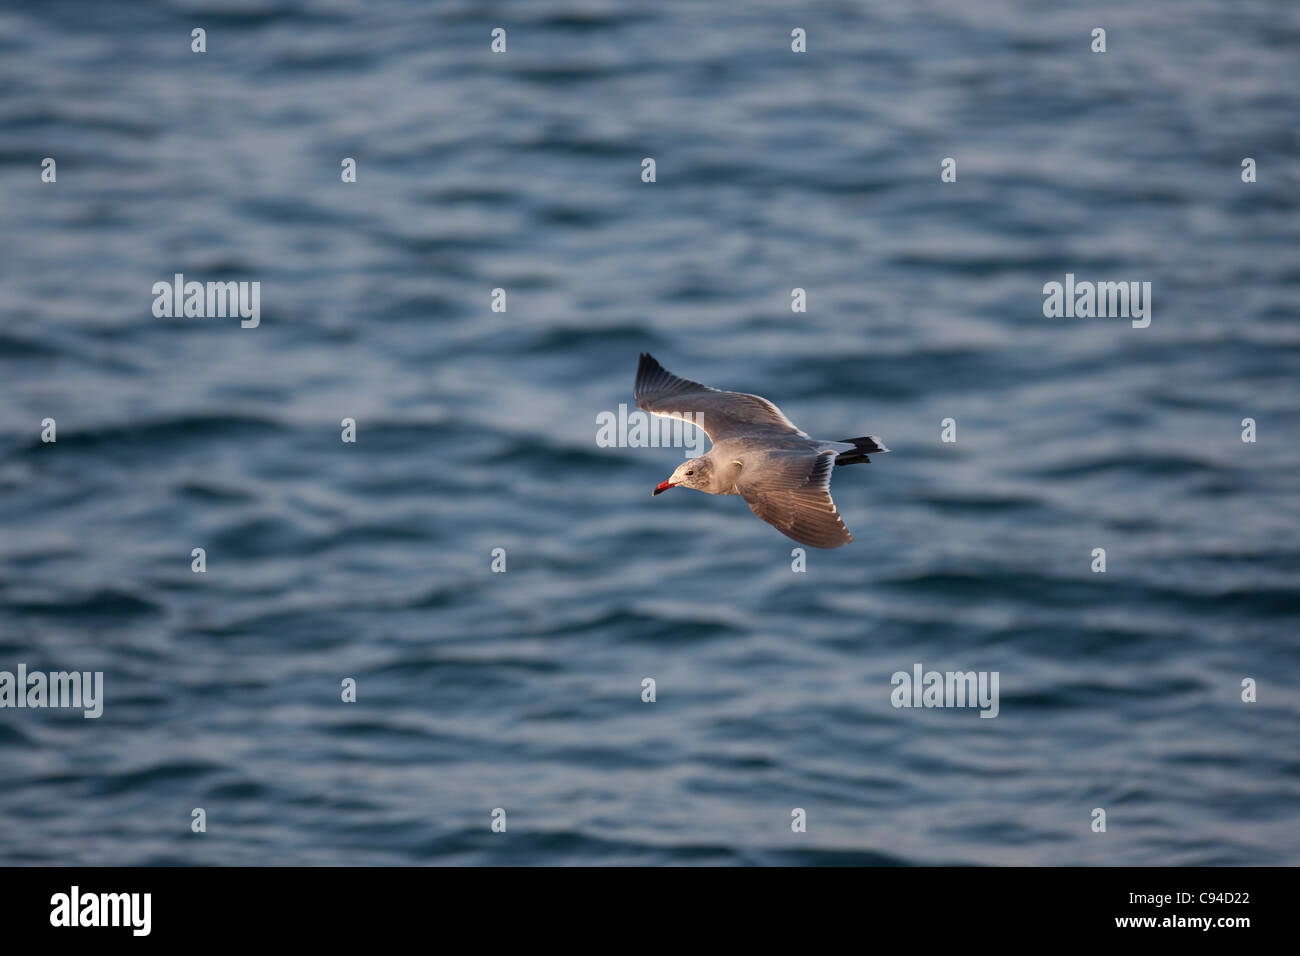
column 646, row 371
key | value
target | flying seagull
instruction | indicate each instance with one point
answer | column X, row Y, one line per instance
column 757, row 453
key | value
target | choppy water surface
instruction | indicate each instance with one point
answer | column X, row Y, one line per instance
column 477, row 431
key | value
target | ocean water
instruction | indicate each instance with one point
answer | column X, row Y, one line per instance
column 477, row 430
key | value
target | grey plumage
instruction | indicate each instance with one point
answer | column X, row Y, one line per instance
column 757, row 452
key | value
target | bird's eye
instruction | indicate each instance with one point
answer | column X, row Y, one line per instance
column 691, row 472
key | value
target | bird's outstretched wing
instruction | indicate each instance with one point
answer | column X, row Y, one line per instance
column 792, row 492
column 721, row 414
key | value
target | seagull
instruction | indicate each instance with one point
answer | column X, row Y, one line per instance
column 757, row 453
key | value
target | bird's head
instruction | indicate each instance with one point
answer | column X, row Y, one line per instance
column 689, row 474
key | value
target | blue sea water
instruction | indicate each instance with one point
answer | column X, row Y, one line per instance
column 476, row 430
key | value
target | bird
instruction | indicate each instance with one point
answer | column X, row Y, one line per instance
column 756, row 453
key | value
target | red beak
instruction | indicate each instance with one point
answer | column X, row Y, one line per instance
column 663, row 486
